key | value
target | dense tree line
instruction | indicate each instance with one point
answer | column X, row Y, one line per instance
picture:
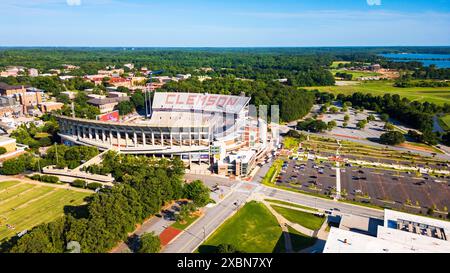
column 145, row 184
column 432, row 72
column 60, row 155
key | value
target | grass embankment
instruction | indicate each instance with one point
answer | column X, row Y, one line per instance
column 308, row 220
column 273, row 171
column 438, row 95
column 187, row 222
column 24, row 206
column 252, row 229
column 444, row 122
column 355, row 74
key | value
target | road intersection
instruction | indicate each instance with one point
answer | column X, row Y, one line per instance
column 241, row 192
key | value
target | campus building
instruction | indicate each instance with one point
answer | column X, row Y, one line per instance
column 399, row 232
column 198, row 128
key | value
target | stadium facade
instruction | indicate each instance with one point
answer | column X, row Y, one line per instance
column 214, row 130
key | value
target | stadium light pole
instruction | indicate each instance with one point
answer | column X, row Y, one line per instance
column 147, row 105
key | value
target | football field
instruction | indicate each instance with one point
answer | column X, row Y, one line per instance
column 23, row 205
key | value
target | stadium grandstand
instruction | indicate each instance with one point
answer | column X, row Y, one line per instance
column 201, row 129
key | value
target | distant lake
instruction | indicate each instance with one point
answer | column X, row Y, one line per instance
column 440, row 60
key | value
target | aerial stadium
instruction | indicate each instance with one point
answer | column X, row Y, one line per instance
column 209, row 130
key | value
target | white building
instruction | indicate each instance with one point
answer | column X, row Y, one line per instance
column 400, row 233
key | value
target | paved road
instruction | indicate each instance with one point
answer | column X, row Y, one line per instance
column 189, row 240
column 320, row 203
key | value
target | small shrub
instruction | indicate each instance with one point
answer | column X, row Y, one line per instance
column 36, row 177
column 94, row 186
column 49, row 179
column 79, row 183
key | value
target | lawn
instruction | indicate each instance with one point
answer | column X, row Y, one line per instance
column 291, row 143
column 305, row 219
column 272, row 172
column 187, row 223
column 289, row 204
column 336, row 63
column 24, row 206
column 252, row 229
column 356, row 74
column 444, row 121
column 438, row 95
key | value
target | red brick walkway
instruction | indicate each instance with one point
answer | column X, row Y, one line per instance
column 168, row 234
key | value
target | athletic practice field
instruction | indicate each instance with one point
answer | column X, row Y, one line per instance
column 23, row 205
column 438, row 95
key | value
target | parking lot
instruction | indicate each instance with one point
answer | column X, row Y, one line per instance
column 401, row 190
column 308, row 176
column 394, row 189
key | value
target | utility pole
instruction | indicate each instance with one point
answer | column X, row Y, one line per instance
column 73, row 110
column 56, row 153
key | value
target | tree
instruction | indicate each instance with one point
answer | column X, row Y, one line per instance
column 2, row 150
column 149, row 243
column 389, row 126
column 79, row 183
column 446, row 138
column 392, row 138
column 125, row 107
column 331, row 125
column 384, row 117
column 371, row 118
column 345, row 124
column 346, row 118
column 184, row 213
column 296, row 134
column 312, row 125
column 138, row 100
column 361, row 124
column 333, row 110
column 13, row 166
column 197, row 192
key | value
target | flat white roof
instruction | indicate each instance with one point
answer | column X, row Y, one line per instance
column 390, row 239
column 392, row 215
column 344, row 241
column 244, row 156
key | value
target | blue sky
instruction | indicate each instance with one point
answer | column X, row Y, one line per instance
column 224, row 23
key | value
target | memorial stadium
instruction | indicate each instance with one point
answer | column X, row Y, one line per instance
column 216, row 131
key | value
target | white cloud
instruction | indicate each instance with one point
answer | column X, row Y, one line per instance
column 374, row 2
column 74, row 2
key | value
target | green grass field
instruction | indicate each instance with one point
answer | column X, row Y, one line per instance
column 305, row 219
column 186, row 224
column 438, row 95
column 356, row 74
column 444, row 121
column 252, row 229
column 24, row 206
column 336, row 63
